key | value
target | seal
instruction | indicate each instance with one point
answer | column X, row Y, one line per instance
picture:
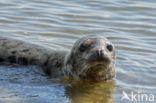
column 91, row 58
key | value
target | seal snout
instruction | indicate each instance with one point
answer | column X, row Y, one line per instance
column 99, row 55
column 99, row 52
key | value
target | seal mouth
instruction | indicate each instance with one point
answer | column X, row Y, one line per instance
column 100, row 64
column 96, row 71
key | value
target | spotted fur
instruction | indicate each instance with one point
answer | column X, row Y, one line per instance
column 77, row 63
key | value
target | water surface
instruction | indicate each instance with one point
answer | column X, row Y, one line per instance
column 129, row 24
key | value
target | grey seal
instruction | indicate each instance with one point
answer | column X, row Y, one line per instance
column 91, row 58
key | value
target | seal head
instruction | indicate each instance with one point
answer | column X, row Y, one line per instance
column 91, row 58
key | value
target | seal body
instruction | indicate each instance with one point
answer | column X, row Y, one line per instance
column 91, row 57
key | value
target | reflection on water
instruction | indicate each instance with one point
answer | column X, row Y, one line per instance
column 86, row 92
column 21, row 84
column 129, row 24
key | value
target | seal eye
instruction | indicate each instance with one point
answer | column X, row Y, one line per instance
column 83, row 47
column 110, row 47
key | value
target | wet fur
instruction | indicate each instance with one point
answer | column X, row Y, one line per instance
column 54, row 62
column 20, row 52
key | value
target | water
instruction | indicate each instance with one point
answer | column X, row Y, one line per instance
column 129, row 24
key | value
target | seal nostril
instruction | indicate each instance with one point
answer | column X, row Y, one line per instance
column 99, row 52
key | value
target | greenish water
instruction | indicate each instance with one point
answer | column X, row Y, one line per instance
column 129, row 24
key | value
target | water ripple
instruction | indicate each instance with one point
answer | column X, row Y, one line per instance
column 130, row 25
